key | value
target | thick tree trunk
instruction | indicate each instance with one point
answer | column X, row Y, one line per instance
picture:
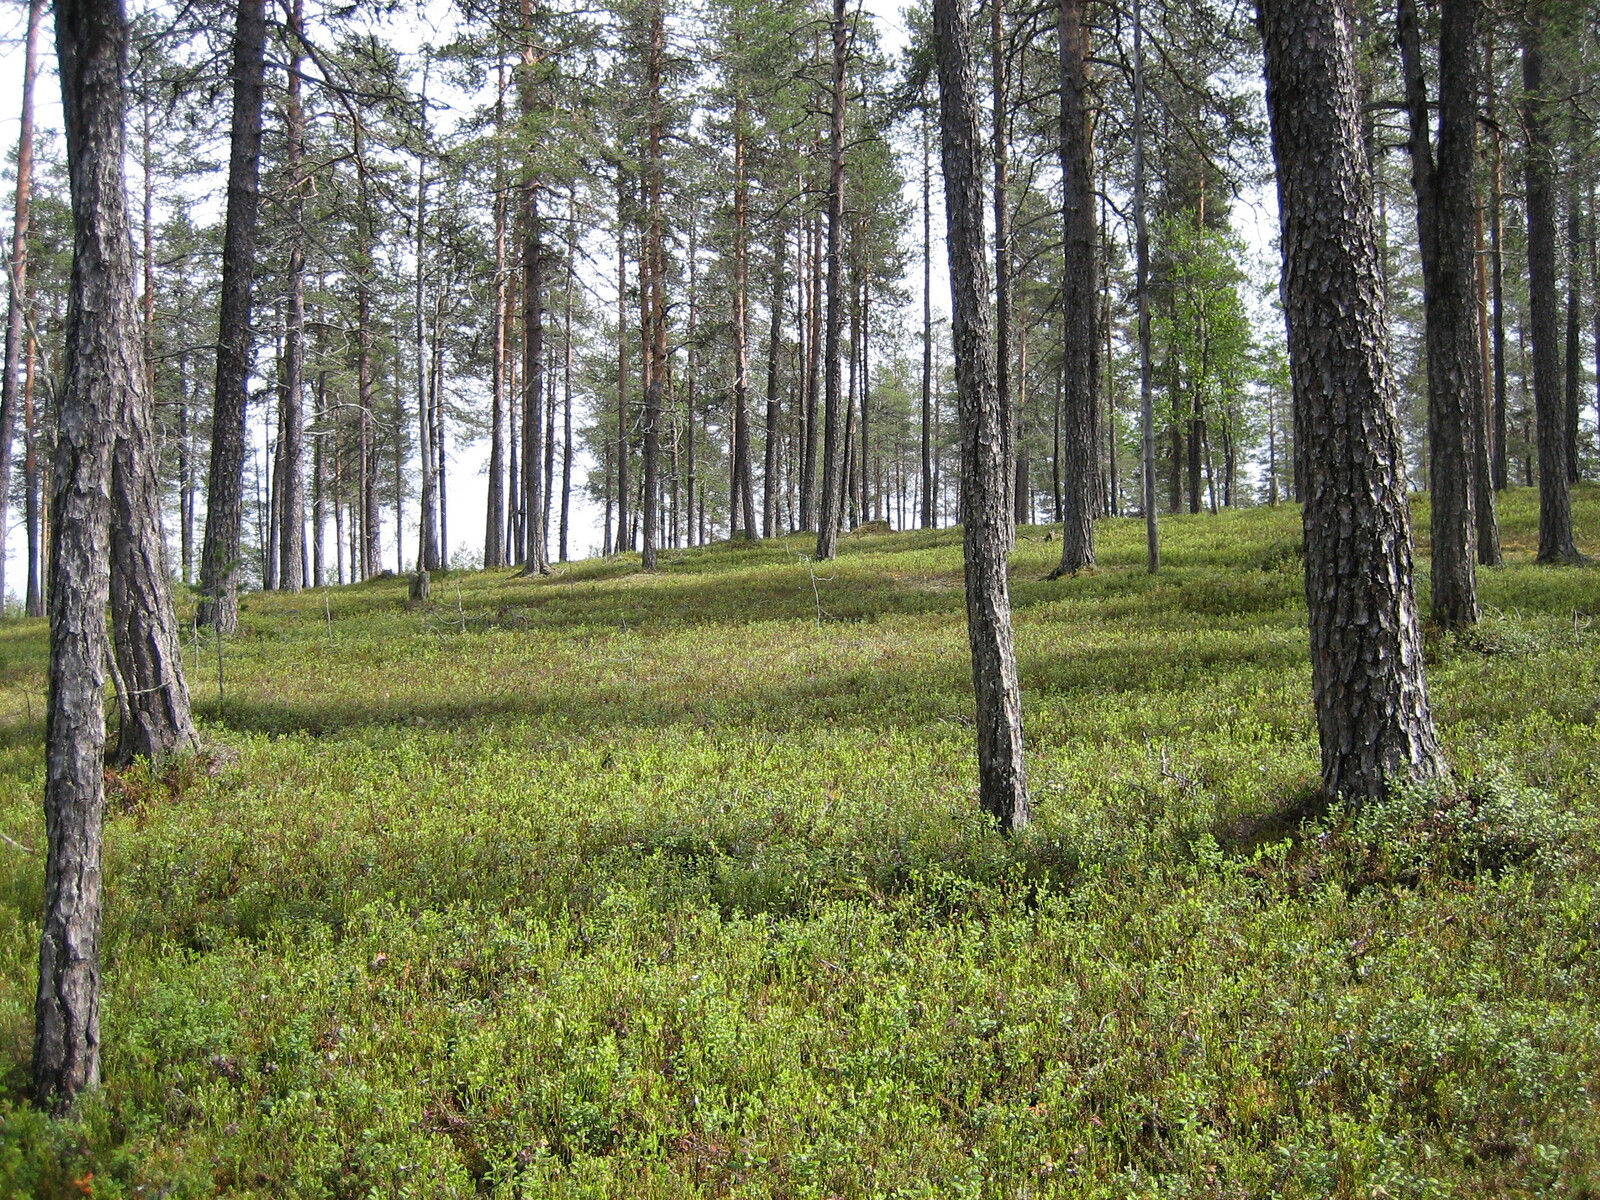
column 1081, row 484
column 220, row 554
column 834, row 415
column 1556, row 543
column 1446, row 194
column 1002, row 776
column 103, row 361
column 1367, row 673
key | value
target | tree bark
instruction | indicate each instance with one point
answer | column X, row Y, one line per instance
column 291, row 446
column 17, row 279
column 1081, row 484
column 833, row 413
column 103, row 361
column 1000, row 152
column 1556, row 543
column 770, row 473
column 927, row 512
column 1574, row 354
column 1445, row 193
column 742, row 502
column 624, row 421
column 220, row 554
column 655, row 297
column 1002, row 776
column 494, row 553
column 1368, row 682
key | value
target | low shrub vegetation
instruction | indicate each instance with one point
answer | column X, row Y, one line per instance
column 673, row 885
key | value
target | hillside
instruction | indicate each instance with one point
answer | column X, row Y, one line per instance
column 656, row 886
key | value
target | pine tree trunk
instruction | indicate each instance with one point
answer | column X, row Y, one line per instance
column 494, row 553
column 17, row 278
column 742, row 502
column 624, row 420
column 103, row 361
column 1147, row 418
column 1081, row 484
column 654, row 267
column 770, row 478
column 291, row 446
column 1000, row 152
column 1574, row 355
column 534, row 554
column 1499, row 457
column 1368, row 684
column 220, row 554
column 1002, row 776
column 834, row 415
column 1556, row 543
column 1445, row 199
column 927, row 515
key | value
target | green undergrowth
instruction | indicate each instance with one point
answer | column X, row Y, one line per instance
column 610, row 884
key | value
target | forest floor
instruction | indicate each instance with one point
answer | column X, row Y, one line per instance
column 674, row 885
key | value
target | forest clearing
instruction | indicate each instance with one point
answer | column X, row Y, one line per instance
column 615, row 884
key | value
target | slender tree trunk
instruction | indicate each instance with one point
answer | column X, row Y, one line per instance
column 291, row 445
column 1556, row 543
column 366, row 530
column 534, row 553
column 624, row 420
column 1367, row 675
column 1445, row 196
column 319, row 482
column 1497, row 418
column 17, row 279
column 813, row 385
column 1574, row 355
column 1002, row 775
column 833, row 414
column 770, row 478
column 1000, row 152
column 1078, row 296
column 655, row 269
column 742, row 502
column 220, row 554
column 927, row 515
column 428, row 498
column 33, row 487
column 1147, row 416
column 567, row 373
column 494, row 553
